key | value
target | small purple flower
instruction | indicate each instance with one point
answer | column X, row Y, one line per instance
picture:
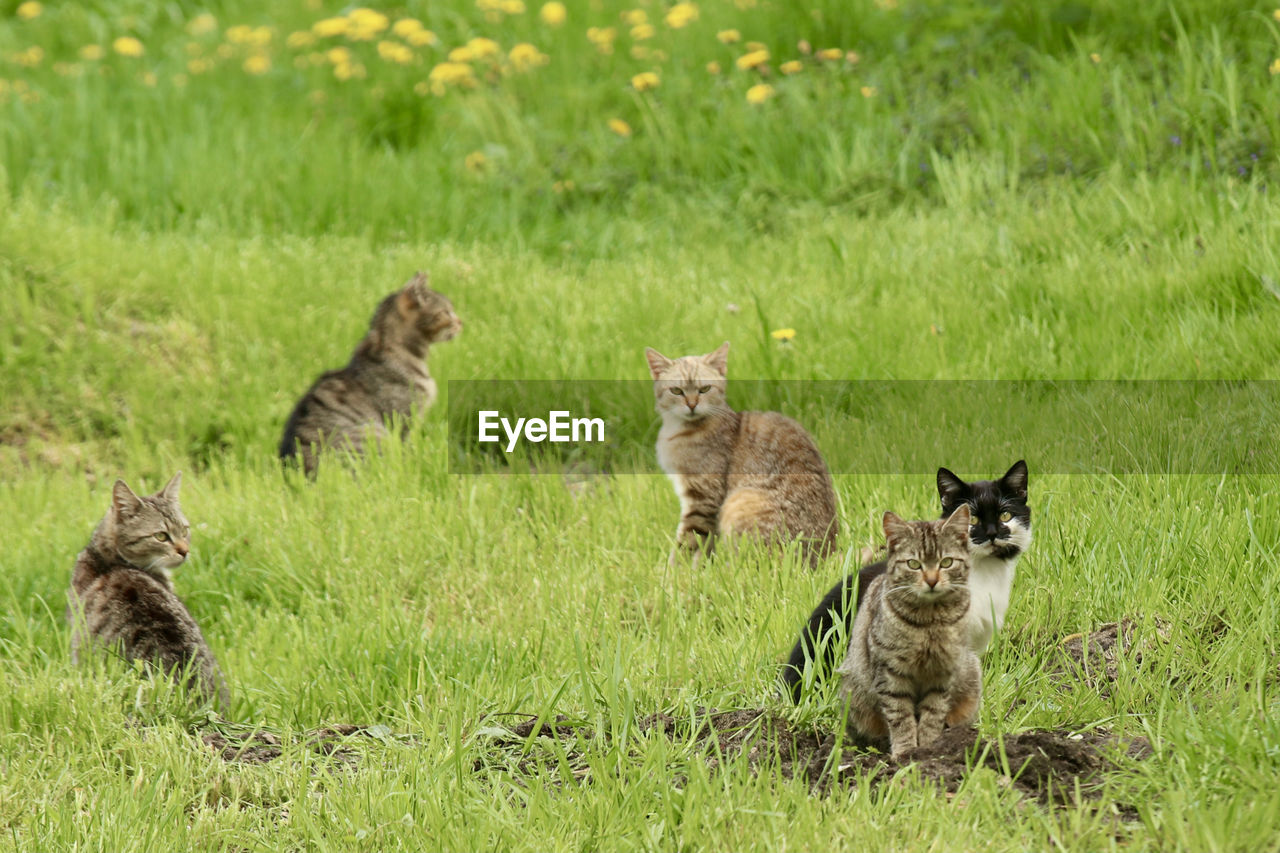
column 1175, row 140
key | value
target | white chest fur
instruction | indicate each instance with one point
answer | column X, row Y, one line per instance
column 990, row 585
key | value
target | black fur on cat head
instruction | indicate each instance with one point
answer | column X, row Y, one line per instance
column 1001, row 519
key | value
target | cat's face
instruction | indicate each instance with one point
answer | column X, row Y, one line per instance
column 151, row 531
column 689, row 389
column 928, row 560
column 421, row 315
column 1000, row 524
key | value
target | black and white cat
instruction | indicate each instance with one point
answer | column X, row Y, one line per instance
column 999, row 534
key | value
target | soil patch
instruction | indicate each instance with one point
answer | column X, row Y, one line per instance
column 338, row 741
column 1094, row 658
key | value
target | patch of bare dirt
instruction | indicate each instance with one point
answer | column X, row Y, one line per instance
column 337, row 741
column 1094, row 658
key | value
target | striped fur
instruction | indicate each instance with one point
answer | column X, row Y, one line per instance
column 386, row 378
column 122, row 596
column 755, row 474
column 910, row 671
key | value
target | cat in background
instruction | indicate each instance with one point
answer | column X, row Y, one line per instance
column 910, row 670
column 387, row 376
column 756, row 474
column 999, row 533
column 122, row 596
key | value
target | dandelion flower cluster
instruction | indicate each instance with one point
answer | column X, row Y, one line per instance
column 783, row 335
column 754, row 59
column 602, row 38
column 128, row 46
column 446, row 74
column 620, row 127
column 759, row 93
column 681, row 15
column 365, row 24
column 257, row 64
column 645, row 81
column 553, row 14
column 795, row 66
column 525, row 57
column 202, row 24
column 729, row 36
column 30, row 10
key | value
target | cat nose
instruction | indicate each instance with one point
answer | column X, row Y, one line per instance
column 932, row 578
column 691, row 402
column 182, row 547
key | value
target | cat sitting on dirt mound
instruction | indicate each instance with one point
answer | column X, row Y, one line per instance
column 122, row 596
column 755, row 474
column 910, row 671
column 386, row 377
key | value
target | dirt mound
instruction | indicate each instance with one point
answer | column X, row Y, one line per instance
column 1094, row 658
column 1045, row 765
column 261, row 747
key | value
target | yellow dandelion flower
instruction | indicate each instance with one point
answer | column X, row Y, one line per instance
column 261, row 36
column 239, row 34
column 148, row 79
column 31, row 57
column 461, row 54
column 634, row 17
column 562, row 187
column 422, row 38
column 620, row 127
column 831, row 54
column 512, row 7
column 365, row 24
column 602, row 38
column 1095, row 58
column 852, row 57
column 713, row 67
column 755, row 45
column 553, row 14
column 759, row 93
column 639, row 51
column 1276, row 14
column 393, row 51
column 406, row 27
column 869, row 91
column 642, row 32
column 729, row 36
column 525, row 57
column 681, row 15
column 257, row 64
column 338, row 55
column 202, row 24
column 754, row 59
column 91, row 52
column 645, row 81
column 450, row 74
column 483, row 48
column 476, row 162
column 1274, row 67
column 344, row 71
column 795, row 66
column 29, row 10
column 199, row 66
column 300, row 39
column 330, row 27
column 804, row 47
column 782, row 334
column 128, row 46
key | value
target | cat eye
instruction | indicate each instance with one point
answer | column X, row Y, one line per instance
column 974, row 520
column 1005, row 516
column 162, row 536
column 914, row 564
column 679, row 392
column 945, row 563
column 704, row 389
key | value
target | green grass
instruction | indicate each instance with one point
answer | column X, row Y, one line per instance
column 177, row 264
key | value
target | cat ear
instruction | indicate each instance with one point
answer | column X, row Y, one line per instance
column 413, row 294
column 123, row 500
column 170, row 491
column 894, row 527
column 658, row 363
column 951, row 488
column 959, row 521
column 719, row 360
column 1015, row 479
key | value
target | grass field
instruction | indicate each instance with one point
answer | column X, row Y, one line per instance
column 202, row 204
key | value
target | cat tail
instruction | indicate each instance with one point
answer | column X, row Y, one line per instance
column 819, row 644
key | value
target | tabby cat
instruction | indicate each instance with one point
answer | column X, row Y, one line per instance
column 910, row 671
column 122, row 596
column 999, row 532
column 387, row 376
column 755, row 474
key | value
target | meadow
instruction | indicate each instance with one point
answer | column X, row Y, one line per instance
column 202, row 203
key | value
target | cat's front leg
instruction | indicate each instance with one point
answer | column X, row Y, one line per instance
column 900, row 715
column 933, row 710
column 692, row 539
